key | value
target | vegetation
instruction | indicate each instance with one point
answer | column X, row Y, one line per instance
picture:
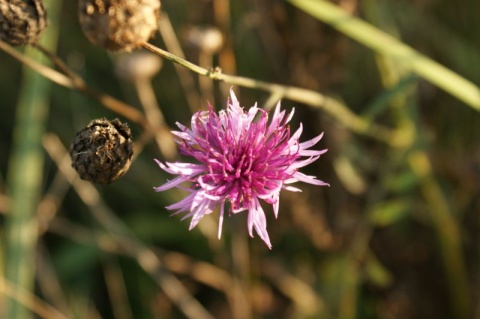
column 392, row 84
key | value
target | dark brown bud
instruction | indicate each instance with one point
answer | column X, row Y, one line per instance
column 102, row 151
column 119, row 24
column 21, row 21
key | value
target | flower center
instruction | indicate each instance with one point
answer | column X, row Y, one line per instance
column 240, row 174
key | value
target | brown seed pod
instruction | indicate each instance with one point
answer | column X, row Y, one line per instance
column 119, row 24
column 21, row 21
column 102, row 151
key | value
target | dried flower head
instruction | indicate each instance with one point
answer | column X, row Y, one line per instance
column 137, row 66
column 119, row 24
column 208, row 39
column 102, row 151
column 21, row 21
column 239, row 162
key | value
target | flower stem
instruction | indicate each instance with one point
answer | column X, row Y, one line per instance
column 328, row 104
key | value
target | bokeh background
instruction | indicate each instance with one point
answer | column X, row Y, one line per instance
column 396, row 235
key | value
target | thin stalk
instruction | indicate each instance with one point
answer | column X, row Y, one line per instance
column 242, row 307
column 384, row 43
column 448, row 234
column 71, row 80
column 155, row 118
column 107, row 100
column 26, row 173
column 187, row 81
column 29, row 300
column 446, row 226
column 332, row 106
column 144, row 255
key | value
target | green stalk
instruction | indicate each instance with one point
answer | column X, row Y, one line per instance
column 448, row 235
column 332, row 106
column 25, row 172
column 384, row 43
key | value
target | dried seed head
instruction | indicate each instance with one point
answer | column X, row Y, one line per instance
column 119, row 24
column 21, row 21
column 207, row 39
column 102, row 151
column 139, row 65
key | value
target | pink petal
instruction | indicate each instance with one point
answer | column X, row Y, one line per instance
column 312, row 142
column 174, row 182
column 309, row 179
column 257, row 219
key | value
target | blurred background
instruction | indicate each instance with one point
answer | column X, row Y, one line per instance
column 396, row 235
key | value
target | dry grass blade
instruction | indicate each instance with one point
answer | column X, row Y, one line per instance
column 73, row 81
column 145, row 257
column 36, row 305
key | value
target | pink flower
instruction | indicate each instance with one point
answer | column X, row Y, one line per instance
column 240, row 161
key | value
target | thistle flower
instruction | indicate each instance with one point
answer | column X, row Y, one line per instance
column 240, row 161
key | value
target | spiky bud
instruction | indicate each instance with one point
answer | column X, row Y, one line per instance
column 21, row 21
column 102, row 151
column 119, row 24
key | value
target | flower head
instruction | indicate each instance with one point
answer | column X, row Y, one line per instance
column 239, row 161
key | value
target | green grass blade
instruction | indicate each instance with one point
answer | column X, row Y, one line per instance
column 384, row 43
column 26, row 172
